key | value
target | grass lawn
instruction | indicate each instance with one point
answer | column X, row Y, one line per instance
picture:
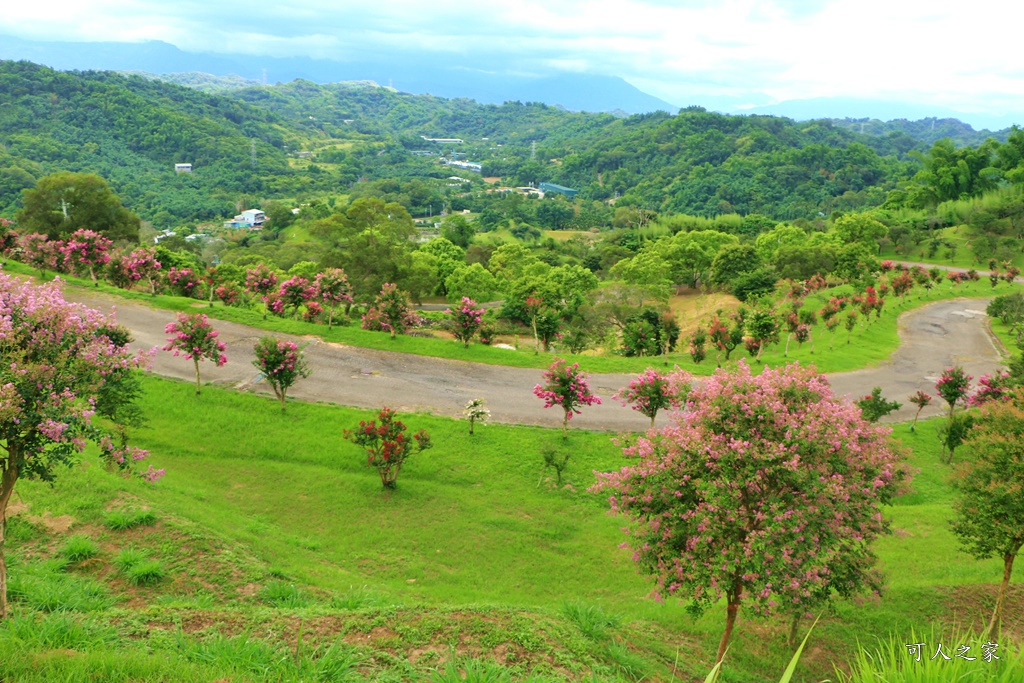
column 269, row 525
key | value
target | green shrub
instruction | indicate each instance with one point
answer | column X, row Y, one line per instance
column 79, row 547
column 138, row 569
column 119, row 520
column 592, row 620
column 45, row 587
column 284, row 594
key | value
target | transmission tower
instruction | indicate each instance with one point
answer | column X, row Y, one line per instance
column 533, row 151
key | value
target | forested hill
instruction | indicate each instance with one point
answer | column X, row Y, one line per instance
column 132, row 131
column 696, row 162
column 910, row 134
column 301, row 141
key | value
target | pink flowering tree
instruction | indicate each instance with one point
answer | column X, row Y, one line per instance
column 294, row 292
column 467, row 319
column 58, row 359
column 953, row 387
column 652, row 392
column 184, row 281
column 281, row 363
column 922, row 401
column 331, row 288
column 566, row 387
column 142, row 264
column 767, row 491
column 391, row 312
column 87, row 250
column 991, row 387
column 38, row 251
column 387, row 445
column 261, row 281
column 192, row 336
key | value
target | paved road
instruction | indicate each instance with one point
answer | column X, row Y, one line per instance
column 933, row 338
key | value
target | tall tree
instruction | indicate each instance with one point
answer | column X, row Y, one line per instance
column 754, row 491
column 58, row 357
column 989, row 508
column 64, row 202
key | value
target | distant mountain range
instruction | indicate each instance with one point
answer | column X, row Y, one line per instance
column 427, row 75
column 880, row 110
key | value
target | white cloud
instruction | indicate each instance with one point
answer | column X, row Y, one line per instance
column 926, row 51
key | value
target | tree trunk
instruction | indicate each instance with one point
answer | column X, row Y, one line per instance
column 8, row 477
column 993, row 626
column 652, row 420
column 785, row 354
column 731, row 611
column 536, row 340
column 794, row 630
column 330, row 317
column 565, row 426
column 196, row 362
column 280, row 397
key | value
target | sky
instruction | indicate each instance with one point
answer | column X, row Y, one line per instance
column 962, row 56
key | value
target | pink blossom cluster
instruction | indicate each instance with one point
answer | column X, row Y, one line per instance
column 991, row 387
column 194, row 338
column 184, row 281
column 953, row 386
column 295, row 291
column 57, row 357
column 260, row 280
column 86, row 250
column 466, row 320
column 767, row 489
column 391, row 312
column 652, row 392
column 565, row 386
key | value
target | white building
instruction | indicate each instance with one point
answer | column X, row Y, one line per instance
column 252, row 218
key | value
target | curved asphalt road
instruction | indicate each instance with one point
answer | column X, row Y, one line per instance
column 933, row 338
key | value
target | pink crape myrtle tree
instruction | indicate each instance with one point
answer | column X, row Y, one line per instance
column 87, row 250
column 39, row 251
column 294, row 292
column 192, row 336
column 142, row 264
column 467, row 319
column 59, row 358
column 652, row 392
column 566, row 387
column 766, row 491
column 387, row 445
column 391, row 312
column 331, row 288
column 261, row 281
column 281, row 363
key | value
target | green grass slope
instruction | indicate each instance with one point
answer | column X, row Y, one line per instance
column 270, row 552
